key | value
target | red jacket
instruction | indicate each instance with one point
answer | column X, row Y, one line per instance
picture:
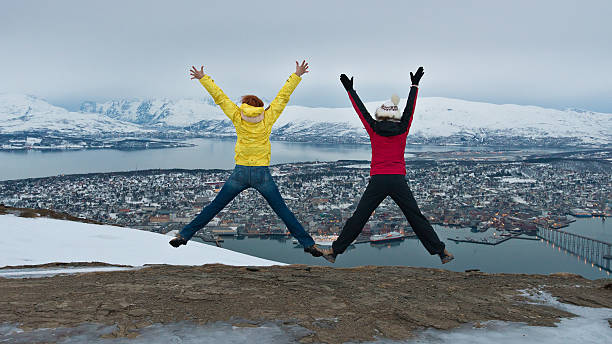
column 387, row 138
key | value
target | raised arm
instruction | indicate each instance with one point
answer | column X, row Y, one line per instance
column 282, row 98
column 364, row 115
column 408, row 114
column 229, row 107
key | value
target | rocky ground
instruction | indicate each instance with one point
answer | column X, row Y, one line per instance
column 336, row 304
column 31, row 213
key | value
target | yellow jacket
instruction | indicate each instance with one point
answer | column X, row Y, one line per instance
column 253, row 143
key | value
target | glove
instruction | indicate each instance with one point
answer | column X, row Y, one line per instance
column 415, row 78
column 346, row 82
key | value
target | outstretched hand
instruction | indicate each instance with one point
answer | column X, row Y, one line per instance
column 415, row 78
column 346, row 82
column 301, row 69
column 197, row 74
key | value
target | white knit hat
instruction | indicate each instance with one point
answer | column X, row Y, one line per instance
column 389, row 110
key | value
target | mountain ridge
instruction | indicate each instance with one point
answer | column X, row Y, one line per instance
column 436, row 119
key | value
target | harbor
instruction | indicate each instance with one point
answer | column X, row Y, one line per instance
column 530, row 256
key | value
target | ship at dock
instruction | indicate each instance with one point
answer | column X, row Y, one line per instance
column 386, row 237
column 323, row 240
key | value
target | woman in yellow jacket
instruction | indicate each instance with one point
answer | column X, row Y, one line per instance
column 253, row 126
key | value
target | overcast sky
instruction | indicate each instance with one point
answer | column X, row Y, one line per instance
column 549, row 53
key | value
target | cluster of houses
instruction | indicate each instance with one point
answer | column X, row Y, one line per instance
column 513, row 196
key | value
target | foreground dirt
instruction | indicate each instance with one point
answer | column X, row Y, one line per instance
column 337, row 304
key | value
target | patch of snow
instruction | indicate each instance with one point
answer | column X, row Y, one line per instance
column 517, row 180
column 27, row 241
column 48, row 272
column 182, row 332
column 357, row 166
column 590, row 326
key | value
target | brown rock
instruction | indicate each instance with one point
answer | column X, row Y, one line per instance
column 566, row 274
column 338, row 305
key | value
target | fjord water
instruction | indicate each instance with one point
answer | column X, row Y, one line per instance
column 205, row 154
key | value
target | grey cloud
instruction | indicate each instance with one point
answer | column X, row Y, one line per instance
column 549, row 53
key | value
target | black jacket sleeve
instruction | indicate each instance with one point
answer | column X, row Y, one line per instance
column 361, row 110
column 406, row 120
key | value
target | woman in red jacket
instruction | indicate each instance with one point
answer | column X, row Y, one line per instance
column 387, row 171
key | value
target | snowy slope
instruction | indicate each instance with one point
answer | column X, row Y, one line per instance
column 22, row 113
column 27, row 241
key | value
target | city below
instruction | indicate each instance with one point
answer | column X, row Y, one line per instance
column 511, row 196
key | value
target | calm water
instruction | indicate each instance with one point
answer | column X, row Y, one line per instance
column 512, row 256
column 206, row 154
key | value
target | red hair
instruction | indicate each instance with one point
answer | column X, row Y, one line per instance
column 252, row 100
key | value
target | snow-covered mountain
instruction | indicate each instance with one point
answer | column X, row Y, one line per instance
column 23, row 113
column 435, row 117
column 157, row 112
column 436, row 120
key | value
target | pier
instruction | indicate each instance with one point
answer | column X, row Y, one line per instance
column 491, row 243
column 594, row 251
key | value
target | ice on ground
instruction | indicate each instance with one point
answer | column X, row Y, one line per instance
column 183, row 332
column 31, row 241
column 590, row 326
column 48, row 272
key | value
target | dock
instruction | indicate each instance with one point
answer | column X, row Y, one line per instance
column 594, row 251
column 363, row 240
column 491, row 243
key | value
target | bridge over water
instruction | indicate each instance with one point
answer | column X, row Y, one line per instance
column 596, row 252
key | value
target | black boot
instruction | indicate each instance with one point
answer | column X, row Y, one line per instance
column 178, row 241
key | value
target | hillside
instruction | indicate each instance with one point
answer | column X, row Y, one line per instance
column 52, row 240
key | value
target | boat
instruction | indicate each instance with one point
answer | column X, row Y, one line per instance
column 209, row 237
column 324, row 240
column 580, row 213
column 391, row 236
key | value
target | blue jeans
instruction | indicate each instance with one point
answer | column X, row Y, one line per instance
column 242, row 178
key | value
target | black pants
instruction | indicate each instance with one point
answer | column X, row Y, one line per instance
column 379, row 187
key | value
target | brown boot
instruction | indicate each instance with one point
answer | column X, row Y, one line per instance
column 328, row 254
column 446, row 257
